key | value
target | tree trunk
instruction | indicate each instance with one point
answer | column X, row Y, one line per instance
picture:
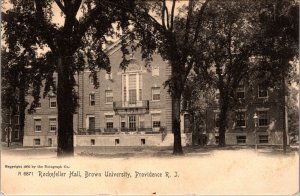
column 284, row 107
column 65, row 108
column 22, row 106
column 177, row 148
column 9, row 127
column 223, row 121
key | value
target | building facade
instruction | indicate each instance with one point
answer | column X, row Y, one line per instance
column 258, row 117
column 10, row 126
column 132, row 108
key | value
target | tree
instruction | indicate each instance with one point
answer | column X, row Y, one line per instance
column 198, row 97
column 65, row 47
column 225, row 48
column 238, row 44
column 293, row 110
column 15, row 79
column 279, row 45
column 160, row 28
column 76, row 37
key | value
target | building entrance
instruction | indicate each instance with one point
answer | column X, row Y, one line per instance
column 132, row 122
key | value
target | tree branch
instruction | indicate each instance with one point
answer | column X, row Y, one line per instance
column 229, row 44
column 187, row 70
column 61, row 6
column 172, row 15
column 188, row 20
column 167, row 13
column 73, row 6
column 43, row 25
column 86, row 22
column 200, row 20
column 137, row 13
column 163, row 14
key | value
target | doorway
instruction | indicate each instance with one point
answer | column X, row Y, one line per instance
column 132, row 122
column 186, row 123
column 50, row 142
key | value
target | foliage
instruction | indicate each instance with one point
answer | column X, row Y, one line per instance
column 62, row 48
column 224, row 50
column 196, row 99
column 160, row 28
column 278, row 43
column 215, row 38
column 293, row 109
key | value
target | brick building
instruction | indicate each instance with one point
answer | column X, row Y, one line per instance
column 131, row 108
column 259, row 117
column 10, row 125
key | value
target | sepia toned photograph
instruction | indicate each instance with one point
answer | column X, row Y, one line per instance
column 155, row 97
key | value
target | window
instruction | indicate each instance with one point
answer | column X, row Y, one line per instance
column 92, row 99
column 132, row 89
column 262, row 91
column 17, row 132
column 217, row 139
column 140, row 94
column 109, row 97
column 241, row 119
column 123, row 122
column 54, row 81
column 217, row 95
column 132, row 96
column 155, row 71
column 123, row 125
column 91, row 79
column 217, row 120
column 117, row 141
column 140, row 87
column 16, row 120
column 201, row 123
column 263, row 139
column 52, row 103
column 49, row 141
column 124, row 88
column 38, row 105
column 155, row 94
column 240, row 92
column 143, row 142
column 37, row 142
column 52, row 124
column 263, row 119
column 155, row 120
column 37, row 125
column 142, row 122
column 241, row 139
column 92, row 142
column 16, row 126
column 186, row 123
column 109, row 121
column 91, row 122
column 108, row 76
